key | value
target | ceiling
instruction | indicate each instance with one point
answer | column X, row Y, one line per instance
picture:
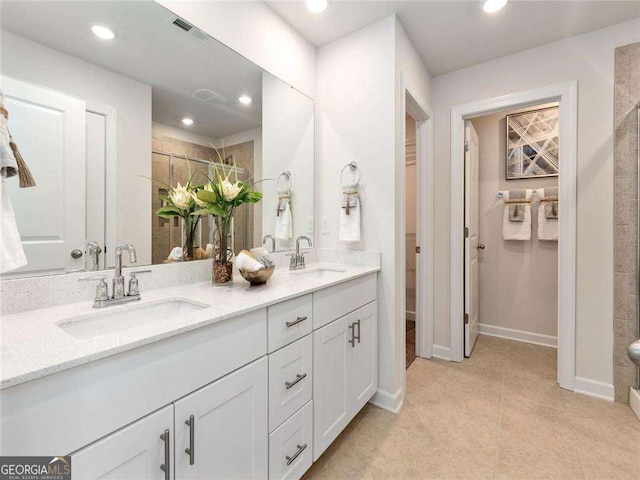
column 450, row 35
column 148, row 48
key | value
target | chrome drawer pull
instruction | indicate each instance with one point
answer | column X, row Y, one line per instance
column 299, row 377
column 191, row 451
column 296, row 321
column 166, row 466
column 353, row 335
column 301, row 448
column 358, row 336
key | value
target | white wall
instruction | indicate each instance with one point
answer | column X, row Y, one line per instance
column 255, row 31
column 518, row 281
column 357, row 118
column 288, row 145
column 588, row 59
column 35, row 63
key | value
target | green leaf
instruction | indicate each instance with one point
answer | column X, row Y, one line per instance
column 207, row 196
column 169, row 212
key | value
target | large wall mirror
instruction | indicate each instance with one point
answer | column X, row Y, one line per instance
column 96, row 118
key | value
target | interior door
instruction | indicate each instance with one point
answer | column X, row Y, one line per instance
column 472, row 243
column 49, row 128
column 136, row 452
column 230, row 434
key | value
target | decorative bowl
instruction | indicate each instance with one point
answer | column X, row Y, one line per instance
column 258, row 277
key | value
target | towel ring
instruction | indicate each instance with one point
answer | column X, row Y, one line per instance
column 287, row 175
column 355, row 171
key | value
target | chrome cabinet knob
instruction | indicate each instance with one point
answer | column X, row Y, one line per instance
column 76, row 253
column 481, row 246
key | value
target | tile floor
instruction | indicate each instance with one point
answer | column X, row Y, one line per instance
column 498, row 414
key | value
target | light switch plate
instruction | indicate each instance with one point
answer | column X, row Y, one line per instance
column 325, row 225
column 309, row 224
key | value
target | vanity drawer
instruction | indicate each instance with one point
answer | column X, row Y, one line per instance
column 290, row 380
column 288, row 321
column 290, row 446
column 335, row 302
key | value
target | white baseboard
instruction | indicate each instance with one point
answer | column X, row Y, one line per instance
column 518, row 335
column 410, row 315
column 391, row 402
column 594, row 388
column 443, row 353
column 634, row 401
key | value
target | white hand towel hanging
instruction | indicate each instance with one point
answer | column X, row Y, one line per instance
column 8, row 162
column 516, row 220
column 349, row 214
column 284, row 219
column 548, row 214
column 11, row 252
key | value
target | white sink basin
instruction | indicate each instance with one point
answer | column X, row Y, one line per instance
column 124, row 317
column 319, row 272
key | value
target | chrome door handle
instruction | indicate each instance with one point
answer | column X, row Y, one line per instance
column 291, row 459
column 299, row 377
column 353, row 337
column 358, row 336
column 296, row 321
column 166, row 466
column 481, row 246
column 191, row 451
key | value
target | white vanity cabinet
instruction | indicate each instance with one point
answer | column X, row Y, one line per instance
column 226, row 435
column 254, row 396
column 345, row 357
column 136, row 452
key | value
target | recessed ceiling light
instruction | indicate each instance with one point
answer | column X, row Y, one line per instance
column 492, row 6
column 187, row 121
column 103, row 32
column 317, row 6
column 244, row 99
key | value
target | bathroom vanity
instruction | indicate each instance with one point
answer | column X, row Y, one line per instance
column 232, row 382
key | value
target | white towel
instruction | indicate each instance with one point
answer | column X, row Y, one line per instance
column 350, row 224
column 8, row 163
column 284, row 223
column 547, row 227
column 517, row 230
column 11, row 253
column 248, row 263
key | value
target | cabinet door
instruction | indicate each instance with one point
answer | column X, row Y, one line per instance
column 364, row 356
column 230, row 437
column 332, row 374
column 135, row 452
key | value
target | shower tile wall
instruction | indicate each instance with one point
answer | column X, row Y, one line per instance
column 166, row 233
column 625, row 324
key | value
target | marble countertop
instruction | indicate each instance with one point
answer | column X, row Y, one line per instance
column 32, row 345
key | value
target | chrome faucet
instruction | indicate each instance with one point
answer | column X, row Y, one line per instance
column 273, row 242
column 93, row 256
column 118, row 279
column 297, row 259
column 102, row 298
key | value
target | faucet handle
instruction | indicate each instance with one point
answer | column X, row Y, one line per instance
column 134, row 288
column 102, row 289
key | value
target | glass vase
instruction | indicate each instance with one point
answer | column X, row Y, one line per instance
column 190, row 224
column 222, row 268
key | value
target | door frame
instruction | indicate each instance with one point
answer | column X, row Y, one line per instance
column 566, row 94
column 422, row 113
column 110, row 115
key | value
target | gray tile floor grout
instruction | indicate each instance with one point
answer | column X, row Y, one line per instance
column 497, row 415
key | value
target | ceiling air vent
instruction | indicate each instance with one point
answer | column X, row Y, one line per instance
column 190, row 29
column 209, row 96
